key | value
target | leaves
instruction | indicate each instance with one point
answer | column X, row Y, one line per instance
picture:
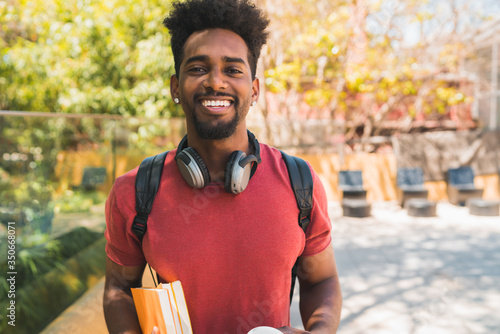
column 91, row 56
column 113, row 57
column 372, row 60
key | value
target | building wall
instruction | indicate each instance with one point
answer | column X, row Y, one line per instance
column 379, row 173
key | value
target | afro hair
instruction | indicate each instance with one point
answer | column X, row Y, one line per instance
column 239, row 16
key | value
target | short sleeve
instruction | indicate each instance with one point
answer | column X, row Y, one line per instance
column 122, row 245
column 318, row 233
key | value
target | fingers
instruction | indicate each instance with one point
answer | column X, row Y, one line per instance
column 156, row 330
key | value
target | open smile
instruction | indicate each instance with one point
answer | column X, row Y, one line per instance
column 214, row 105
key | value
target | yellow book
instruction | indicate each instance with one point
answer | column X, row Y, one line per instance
column 164, row 307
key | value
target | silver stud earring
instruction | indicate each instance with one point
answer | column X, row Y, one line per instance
column 254, row 103
column 176, row 100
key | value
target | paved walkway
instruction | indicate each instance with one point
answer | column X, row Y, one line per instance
column 399, row 274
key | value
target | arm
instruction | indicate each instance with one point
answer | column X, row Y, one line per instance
column 320, row 295
column 119, row 309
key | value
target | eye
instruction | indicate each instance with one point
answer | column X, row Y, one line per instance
column 233, row 71
column 197, row 70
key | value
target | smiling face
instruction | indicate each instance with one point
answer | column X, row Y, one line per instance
column 215, row 85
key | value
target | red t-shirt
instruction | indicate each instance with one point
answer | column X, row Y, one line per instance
column 232, row 253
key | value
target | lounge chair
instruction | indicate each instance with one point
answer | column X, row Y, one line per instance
column 460, row 186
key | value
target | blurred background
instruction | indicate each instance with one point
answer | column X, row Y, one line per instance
column 366, row 85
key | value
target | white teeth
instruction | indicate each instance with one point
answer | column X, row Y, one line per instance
column 216, row 103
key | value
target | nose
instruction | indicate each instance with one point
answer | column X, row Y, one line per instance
column 215, row 81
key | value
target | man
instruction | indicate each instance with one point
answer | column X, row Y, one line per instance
column 231, row 243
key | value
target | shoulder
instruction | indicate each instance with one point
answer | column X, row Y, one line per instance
column 124, row 186
column 274, row 156
column 269, row 152
column 126, row 181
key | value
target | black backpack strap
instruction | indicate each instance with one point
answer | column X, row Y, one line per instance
column 147, row 183
column 302, row 184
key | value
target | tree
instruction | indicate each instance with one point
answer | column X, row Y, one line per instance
column 369, row 61
column 364, row 61
column 86, row 57
column 92, row 57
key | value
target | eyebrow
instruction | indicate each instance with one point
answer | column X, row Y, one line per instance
column 197, row 58
column 205, row 58
column 233, row 60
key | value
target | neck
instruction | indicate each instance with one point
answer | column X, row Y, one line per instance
column 216, row 153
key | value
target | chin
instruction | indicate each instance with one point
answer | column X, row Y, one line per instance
column 217, row 130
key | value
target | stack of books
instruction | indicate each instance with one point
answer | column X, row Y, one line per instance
column 164, row 307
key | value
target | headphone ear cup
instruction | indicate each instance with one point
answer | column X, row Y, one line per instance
column 236, row 178
column 193, row 168
column 234, row 158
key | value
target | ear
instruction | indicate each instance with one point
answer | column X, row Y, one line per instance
column 255, row 89
column 174, row 87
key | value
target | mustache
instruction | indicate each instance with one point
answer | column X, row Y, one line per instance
column 215, row 94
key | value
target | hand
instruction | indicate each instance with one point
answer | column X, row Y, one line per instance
column 290, row 330
column 156, row 330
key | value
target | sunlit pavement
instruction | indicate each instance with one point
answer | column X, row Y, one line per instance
column 402, row 274
column 399, row 274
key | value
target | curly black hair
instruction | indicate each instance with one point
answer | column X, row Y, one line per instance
column 240, row 16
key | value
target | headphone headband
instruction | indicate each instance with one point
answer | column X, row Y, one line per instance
column 256, row 148
column 251, row 139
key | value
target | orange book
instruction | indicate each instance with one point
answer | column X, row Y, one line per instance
column 164, row 307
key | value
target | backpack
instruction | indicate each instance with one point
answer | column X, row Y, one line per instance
column 148, row 178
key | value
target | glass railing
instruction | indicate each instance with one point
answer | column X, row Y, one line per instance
column 55, row 173
column 67, row 163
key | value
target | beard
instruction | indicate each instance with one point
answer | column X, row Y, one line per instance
column 217, row 130
column 220, row 130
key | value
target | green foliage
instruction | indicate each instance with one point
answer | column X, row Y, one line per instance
column 319, row 97
column 113, row 57
column 79, row 201
column 44, row 298
column 37, row 254
column 284, row 77
column 28, row 203
column 109, row 57
column 355, row 60
column 28, row 147
column 51, row 275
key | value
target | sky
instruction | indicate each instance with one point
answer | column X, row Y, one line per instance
column 439, row 21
